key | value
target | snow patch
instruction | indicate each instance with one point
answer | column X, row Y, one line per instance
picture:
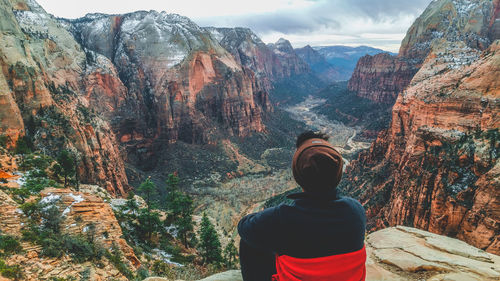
column 50, row 199
column 166, row 257
column 76, row 199
column 464, row 7
column 21, row 180
column 172, row 230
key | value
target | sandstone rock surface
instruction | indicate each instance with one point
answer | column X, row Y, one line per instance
column 382, row 78
column 436, row 167
column 90, row 86
column 405, row 253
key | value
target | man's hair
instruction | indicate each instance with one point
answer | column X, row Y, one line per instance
column 310, row 135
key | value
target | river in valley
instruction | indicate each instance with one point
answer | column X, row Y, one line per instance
column 341, row 136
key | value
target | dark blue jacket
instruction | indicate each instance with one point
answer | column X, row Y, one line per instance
column 313, row 226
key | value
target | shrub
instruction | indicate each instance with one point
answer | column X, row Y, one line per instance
column 85, row 274
column 115, row 257
column 81, row 249
column 11, row 271
column 142, row 273
column 3, row 140
column 9, row 245
column 31, row 210
column 161, row 268
column 52, row 246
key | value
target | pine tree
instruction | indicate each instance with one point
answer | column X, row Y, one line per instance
column 172, row 185
column 67, row 165
column 148, row 188
column 180, row 207
column 183, row 206
column 131, row 204
column 230, row 255
column 210, row 246
column 149, row 222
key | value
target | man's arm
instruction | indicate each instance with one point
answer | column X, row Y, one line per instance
column 261, row 230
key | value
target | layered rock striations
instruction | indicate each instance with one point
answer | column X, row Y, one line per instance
column 270, row 63
column 249, row 51
column 436, row 167
column 468, row 21
column 42, row 94
column 381, row 77
column 117, row 88
column 180, row 83
column 278, row 67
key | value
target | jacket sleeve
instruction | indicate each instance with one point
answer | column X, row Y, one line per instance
column 261, row 230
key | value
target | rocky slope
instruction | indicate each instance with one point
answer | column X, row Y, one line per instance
column 116, row 88
column 278, row 67
column 381, row 77
column 79, row 211
column 436, row 167
column 404, row 253
column 181, row 83
column 42, row 93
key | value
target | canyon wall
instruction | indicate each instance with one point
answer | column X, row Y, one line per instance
column 382, row 77
column 115, row 89
column 436, row 167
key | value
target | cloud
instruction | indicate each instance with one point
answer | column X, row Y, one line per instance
column 366, row 21
column 303, row 22
column 286, row 23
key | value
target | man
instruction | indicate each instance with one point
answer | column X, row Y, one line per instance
column 319, row 237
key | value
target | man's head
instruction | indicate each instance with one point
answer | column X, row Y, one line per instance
column 317, row 166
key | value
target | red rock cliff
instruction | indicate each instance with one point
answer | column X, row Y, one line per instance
column 115, row 88
column 381, row 77
column 436, row 167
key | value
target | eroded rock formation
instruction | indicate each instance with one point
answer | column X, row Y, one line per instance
column 117, row 88
column 382, row 77
column 436, row 167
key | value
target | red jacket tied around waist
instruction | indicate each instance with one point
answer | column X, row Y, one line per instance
column 344, row 267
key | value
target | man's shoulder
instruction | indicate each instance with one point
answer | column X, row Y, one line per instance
column 350, row 201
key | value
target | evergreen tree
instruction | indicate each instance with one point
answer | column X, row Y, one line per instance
column 67, row 165
column 22, row 146
column 210, row 246
column 148, row 224
column 172, row 189
column 183, row 206
column 230, row 255
column 52, row 219
column 148, row 187
column 180, row 207
column 131, row 204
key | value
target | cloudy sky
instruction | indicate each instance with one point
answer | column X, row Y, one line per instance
column 378, row 23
